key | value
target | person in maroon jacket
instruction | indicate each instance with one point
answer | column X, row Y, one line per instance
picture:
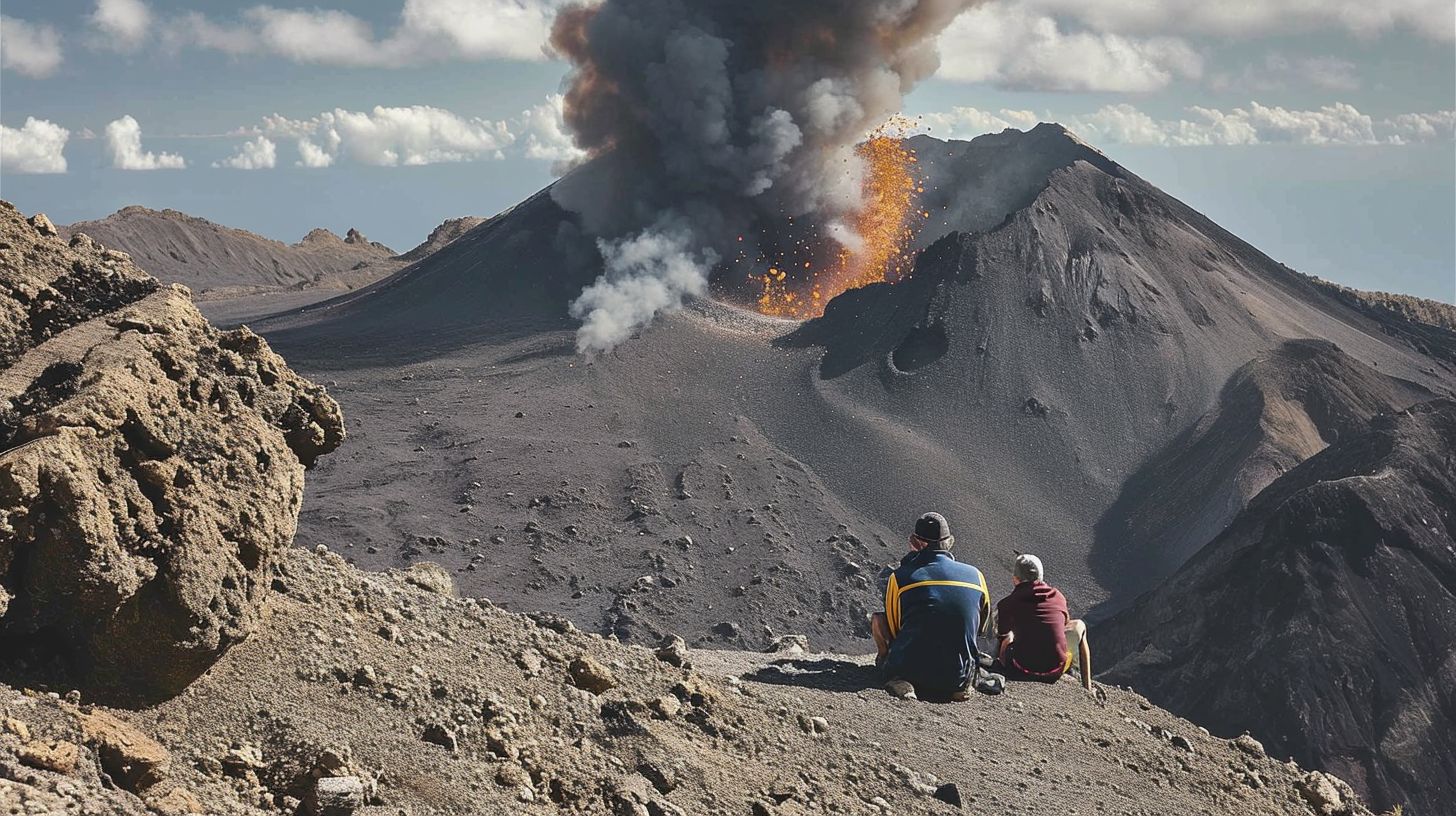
column 1039, row 640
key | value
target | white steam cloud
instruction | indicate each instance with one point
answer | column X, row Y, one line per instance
column 647, row 274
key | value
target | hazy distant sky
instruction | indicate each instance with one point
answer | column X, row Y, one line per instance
column 1319, row 130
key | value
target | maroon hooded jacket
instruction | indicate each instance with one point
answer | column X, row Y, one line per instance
column 1037, row 613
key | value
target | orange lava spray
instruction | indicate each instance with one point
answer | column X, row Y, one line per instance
column 886, row 225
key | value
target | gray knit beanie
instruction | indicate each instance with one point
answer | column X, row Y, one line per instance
column 1028, row 568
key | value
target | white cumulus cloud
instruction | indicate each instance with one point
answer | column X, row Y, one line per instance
column 426, row 31
column 36, row 147
column 124, row 146
column 31, row 49
column 316, row 35
column 1004, row 44
column 390, row 136
column 311, row 155
column 1339, row 124
column 256, row 154
column 1433, row 19
column 122, row 24
column 1422, row 127
column 515, row 29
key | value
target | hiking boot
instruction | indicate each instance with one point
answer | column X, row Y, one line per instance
column 901, row 689
column 960, row 695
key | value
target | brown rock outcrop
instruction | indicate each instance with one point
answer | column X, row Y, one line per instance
column 150, row 466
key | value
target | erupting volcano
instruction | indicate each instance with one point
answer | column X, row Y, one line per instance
column 729, row 134
column 879, row 247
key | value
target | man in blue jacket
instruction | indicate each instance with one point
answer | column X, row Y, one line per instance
column 935, row 607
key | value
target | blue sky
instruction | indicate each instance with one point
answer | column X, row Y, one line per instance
column 1320, row 132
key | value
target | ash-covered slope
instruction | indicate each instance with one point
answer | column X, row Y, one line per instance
column 376, row 694
column 180, row 248
column 1070, row 340
column 514, row 273
column 1276, row 411
column 1325, row 616
column 1078, row 344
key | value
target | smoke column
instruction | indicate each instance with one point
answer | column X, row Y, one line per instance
column 704, row 117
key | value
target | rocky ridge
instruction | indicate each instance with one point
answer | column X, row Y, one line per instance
column 218, row 261
column 384, row 693
column 1339, row 577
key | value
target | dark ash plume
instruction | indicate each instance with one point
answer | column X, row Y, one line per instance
column 705, row 117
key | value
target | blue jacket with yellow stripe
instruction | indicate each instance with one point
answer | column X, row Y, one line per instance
column 935, row 606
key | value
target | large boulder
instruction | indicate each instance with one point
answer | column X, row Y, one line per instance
column 150, row 466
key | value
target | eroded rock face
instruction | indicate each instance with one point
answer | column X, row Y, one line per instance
column 150, row 465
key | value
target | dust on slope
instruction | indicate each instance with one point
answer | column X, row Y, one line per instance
column 443, row 705
column 1334, row 592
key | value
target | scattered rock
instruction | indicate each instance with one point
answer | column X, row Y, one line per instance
column 43, row 225
column 133, row 760
column 948, row 793
column 18, row 728
column 789, row 644
column 673, row 650
column 59, row 757
column 552, row 621
column 337, row 796
column 441, row 735
column 587, row 674
column 431, row 577
column 665, row 708
column 663, row 779
column 176, row 802
column 1248, row 745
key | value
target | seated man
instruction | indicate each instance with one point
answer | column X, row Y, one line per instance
column 934, row 608
column 1039, row 640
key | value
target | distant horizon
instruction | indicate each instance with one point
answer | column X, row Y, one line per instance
column 1273, row 242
